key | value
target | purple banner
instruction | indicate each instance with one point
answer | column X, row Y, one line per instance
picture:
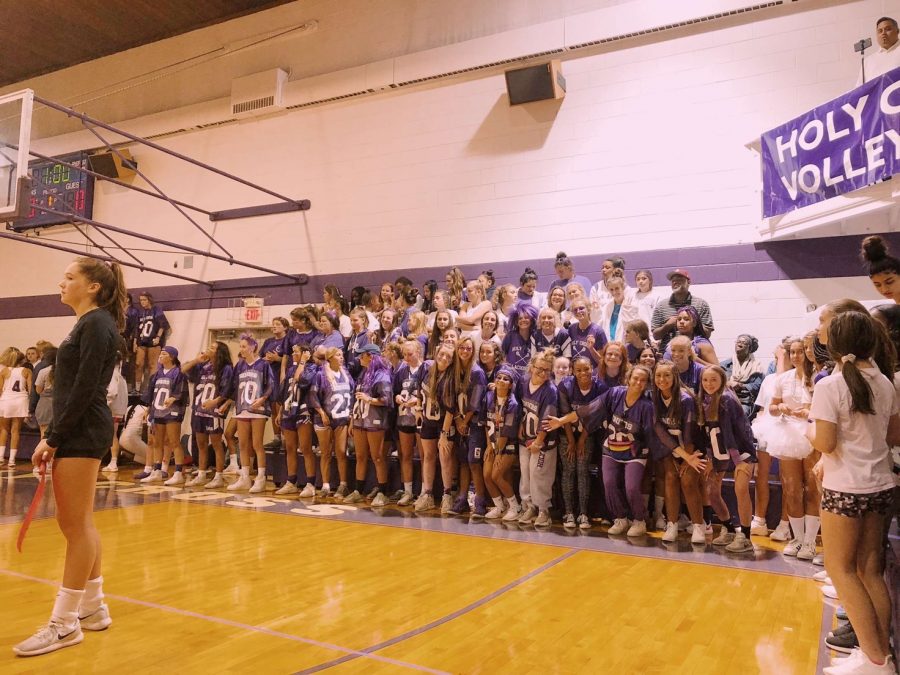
column 838, row 147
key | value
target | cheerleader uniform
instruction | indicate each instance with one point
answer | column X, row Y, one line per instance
column 251, row 381
column 14, row 397
column 785, row 436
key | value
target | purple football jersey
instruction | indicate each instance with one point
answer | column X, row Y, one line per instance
column 251, row 382
column 729, row 439
column 517, row 351
column 571, row 397
column 167, row 384
column 628, row 429
column 373, row 417
column 207, row 387
column 580, row 340
column 537, row 407
column 503, row 419
column 671, row 432
column 151, row 324
column 406, row 387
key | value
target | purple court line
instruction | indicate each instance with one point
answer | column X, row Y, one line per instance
column 444, row 619
column 351, row 653
column 824, row 658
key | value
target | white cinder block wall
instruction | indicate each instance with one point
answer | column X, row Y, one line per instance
column 647, row 151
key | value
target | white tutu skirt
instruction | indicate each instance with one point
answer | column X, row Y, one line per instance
column 782, row 437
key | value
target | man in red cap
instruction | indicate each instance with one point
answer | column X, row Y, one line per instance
column 663, row 322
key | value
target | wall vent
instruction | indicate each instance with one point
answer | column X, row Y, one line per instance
column 258, row 94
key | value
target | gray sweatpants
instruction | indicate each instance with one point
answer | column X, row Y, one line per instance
column 538, row 471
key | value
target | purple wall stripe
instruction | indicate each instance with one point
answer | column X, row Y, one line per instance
column 770, row 261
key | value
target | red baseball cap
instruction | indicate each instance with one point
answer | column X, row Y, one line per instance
column 679, row 272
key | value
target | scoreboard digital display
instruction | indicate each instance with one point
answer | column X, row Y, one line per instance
column 59, row 187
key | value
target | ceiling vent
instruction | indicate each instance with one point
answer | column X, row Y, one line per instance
column 258, row 94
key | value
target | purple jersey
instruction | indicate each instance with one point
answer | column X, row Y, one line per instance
column 537, row 407
column 580, row 340
column 167, row 384
column 249, row 383
column 373, row 417
column 333, row 339
column 503, row 419
column 335, row 398
column 691, row 377
column 406, row 387
column 151, row 324
column 671, row 432
column 435, row 407
column 294, row 337
column 634, row 353
column 208, row 387
column 131, row 324
column 351, row 360
column 274, row 344
column 729, row 438
column 571, row 397
column 628, row 428
column 517, row 351
column 472, row 400
column 560, row 342
column 293, row 392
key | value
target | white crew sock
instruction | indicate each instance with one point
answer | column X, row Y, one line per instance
column 798, row 527
column 812, row 529
column 65, row 608
column 326, row 487
column 12, row 455
column 93, row 596
column 261, row 473
column 148, row 468
column 201, row 473
column 513, row 503
column 498, row 501
column 2, row 452
column 245, row 472
column 233, row 460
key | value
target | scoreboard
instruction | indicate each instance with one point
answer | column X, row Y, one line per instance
column 59, row 187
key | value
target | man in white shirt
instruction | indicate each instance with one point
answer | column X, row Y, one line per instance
column 888, row 55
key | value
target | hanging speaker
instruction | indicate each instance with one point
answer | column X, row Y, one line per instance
column 535, row 83
column 113, row 165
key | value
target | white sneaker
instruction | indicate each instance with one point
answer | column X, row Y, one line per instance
column 846, row 664
column 671, row 533
column 176, row 479
column 380, row 500
column 822, row 577
column 792, row 548
column 259, row 485
column 543, row 519
column 242, row 483
column 97, row 620
column 406, row 499
column 569, row 521
column 494, row 513
column 782, row 532
column 49, row 638
column 758, row 527
column 217, row 482
column 638, row 529
column 584, row 523
column 155, row 476
column 446, row 503
column 232, row 470
column 287, row 489
column 806, row 552
column 112, row 467
column 425, row 502
column 740, row 544
column 698, row 534
column 619, row 526
column 830, row 592
column 511, row 515
column 308, row 491
column 198, row 481
column 528, row 515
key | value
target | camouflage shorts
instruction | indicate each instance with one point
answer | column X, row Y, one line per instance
column 857, row 505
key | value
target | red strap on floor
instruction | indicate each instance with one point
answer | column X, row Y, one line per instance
column 35, row 502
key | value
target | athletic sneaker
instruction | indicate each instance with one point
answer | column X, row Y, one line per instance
column 822, row 577
column 543, row 519
column 446, row 503
column 829, row 591
column 758, row 527
column 142, row 475
column 341, row 492
column 819, row 560
column 49, row 638
column 698, row 534
column 112, row 467
column 259, row 485
column 859, row 664
column 708, row 528
column 176, row 479
column 287, row 489
column 792, row 548
column 372, row 493
column 844, row 643
column 397, row 496
column 671, row 533
column 425, row 502
column 843, row 629
column 460, row 506
column 353, row 498
column 308, row 491
column 782, row 532
column 569, row 521
column 406, row 499
column 99, row 619
column 806, row 552
column 528, row 515
column 638, row 529
column 619, row 526
column 584, row 522
column 740, row 544
column 725, row 537
column 841, row 614
column 242, row 483
column 511, row 515
column 494, row 513
column 155, row 476
column 232, row 469
column 323, row 494
column 198, row 481
column 380, row 500
column 217, row 482
column 480, row 509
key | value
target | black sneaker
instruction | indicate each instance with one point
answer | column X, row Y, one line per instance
column 845, row 643
column 843, row 629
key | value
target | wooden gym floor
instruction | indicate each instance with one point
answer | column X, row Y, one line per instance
column 211, row 582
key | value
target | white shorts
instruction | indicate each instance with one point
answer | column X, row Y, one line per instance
column 14, row 407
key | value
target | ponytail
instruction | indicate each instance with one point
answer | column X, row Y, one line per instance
column 852, row 336
column 113, row 295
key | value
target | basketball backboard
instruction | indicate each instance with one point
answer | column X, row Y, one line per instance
column 15, row 135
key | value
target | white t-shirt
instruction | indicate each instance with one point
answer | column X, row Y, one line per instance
column 789, row 388
column 861, row 461
column 880, row 62
column 766, row 392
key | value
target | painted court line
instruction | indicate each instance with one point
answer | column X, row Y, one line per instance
column 351, row 653
column 824, row 656
column 444, row 619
